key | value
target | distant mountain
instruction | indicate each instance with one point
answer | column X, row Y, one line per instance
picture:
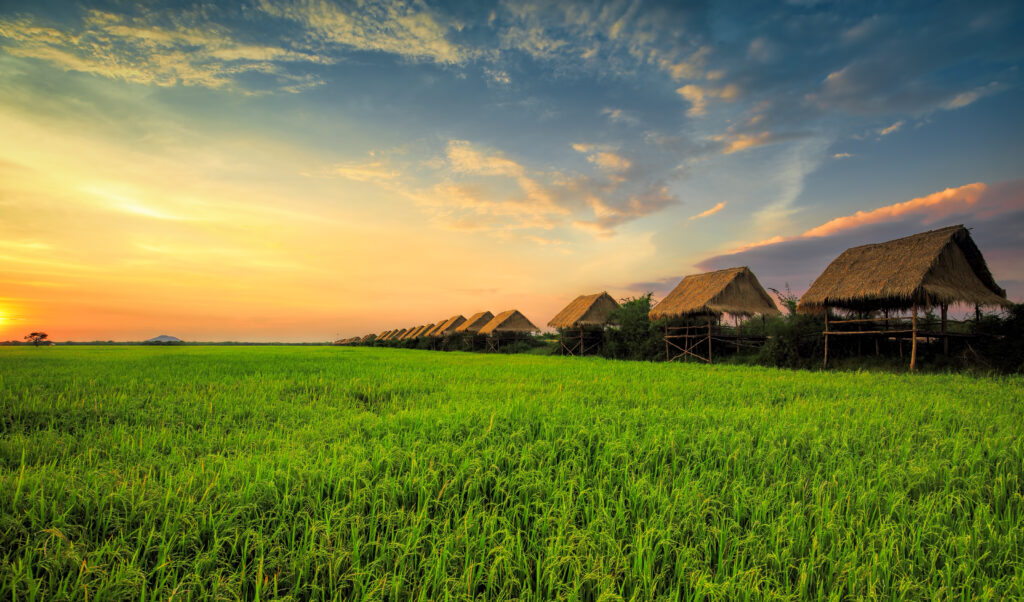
column 164, row 338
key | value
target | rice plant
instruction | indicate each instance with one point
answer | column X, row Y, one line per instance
column 381, row 474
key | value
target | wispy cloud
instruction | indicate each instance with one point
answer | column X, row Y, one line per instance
column 933, row 207
column 138, row 50
column 408, row 30
column 895, row 127
column 700, row 97
column 711, row 211
column 842, row 156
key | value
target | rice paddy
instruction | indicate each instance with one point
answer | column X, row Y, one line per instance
column 379, row 474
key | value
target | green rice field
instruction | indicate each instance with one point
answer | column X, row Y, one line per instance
column 308, row 473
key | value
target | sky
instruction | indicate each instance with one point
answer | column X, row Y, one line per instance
column 308, row 170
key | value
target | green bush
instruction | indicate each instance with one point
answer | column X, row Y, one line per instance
column 633, row 336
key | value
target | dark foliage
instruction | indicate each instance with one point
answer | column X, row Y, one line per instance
column 1001, row 342
column 633, row 336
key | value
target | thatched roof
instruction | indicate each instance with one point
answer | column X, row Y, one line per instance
column 475, row 322
column 398, row 334
column 423, row 331
column 734, row 290
column 941, row 266
column 448, row 326
column 508, row 321
column 380, row 337
column 430, row 331
column 586, row 310
column 412, row 332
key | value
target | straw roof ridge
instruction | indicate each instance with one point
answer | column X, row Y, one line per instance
column 732, row 290
column 475, row 322
column 942, row 266
column 509, row 321
column 586, row 310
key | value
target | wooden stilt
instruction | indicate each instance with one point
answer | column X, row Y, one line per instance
column 913, row 341
column 668, row 354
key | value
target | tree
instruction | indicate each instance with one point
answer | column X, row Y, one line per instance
column 36, row 338
column 788, row 299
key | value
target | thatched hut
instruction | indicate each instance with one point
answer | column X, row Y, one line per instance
column 692, row 312
column 508, row 325
column 475, row 323
column 935, row 268
column 398, row 334
column 411, row 334
column 583, row 321
column 448, row 326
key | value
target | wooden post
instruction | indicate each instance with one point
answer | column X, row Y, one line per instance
column 826, row 338
column 913, row 340
column 945, row 339
column 667, row 356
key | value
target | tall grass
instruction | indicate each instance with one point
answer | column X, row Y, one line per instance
column 361, row 473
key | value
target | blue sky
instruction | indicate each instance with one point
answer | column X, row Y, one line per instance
column 320, row 159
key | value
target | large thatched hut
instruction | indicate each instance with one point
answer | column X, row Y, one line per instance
column 581, row 324
column 692, row 312
column 507, row 326
column 936, row 268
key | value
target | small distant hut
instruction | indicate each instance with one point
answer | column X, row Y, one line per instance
column 467, row 335
column 507, row 326
column 433, row 328
column 411, row 333
column 692, row 312
column 448, row 326
column 581, row 324
column 936, row 268
column 443, row 335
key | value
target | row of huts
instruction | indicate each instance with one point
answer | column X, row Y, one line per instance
column 874, row 290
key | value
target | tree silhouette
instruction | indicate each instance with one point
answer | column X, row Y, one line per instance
column 36, row 338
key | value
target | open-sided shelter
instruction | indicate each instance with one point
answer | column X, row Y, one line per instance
column 935, row 268
column 508, row 325
column 583, row 321
column 694, row 308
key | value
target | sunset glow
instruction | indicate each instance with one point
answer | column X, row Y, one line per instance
column 302, row 171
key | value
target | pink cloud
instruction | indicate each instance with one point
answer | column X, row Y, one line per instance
column 937, row 205
column 983, row 200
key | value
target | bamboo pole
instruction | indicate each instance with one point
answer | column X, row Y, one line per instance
column 913, row 341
